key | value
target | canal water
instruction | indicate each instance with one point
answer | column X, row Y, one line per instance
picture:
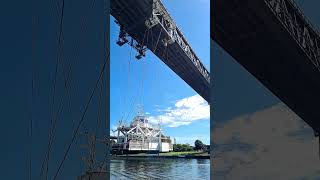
column 154, row 168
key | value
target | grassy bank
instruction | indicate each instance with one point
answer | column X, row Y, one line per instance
column 186, row 154
column 194, row 153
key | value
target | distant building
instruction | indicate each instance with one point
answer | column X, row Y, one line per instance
column 173, row 141
column 141, row 136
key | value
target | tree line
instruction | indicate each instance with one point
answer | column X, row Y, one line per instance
column 198, row 146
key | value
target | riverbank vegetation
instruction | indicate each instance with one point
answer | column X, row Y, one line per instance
column 198, row 147
column 193, row 153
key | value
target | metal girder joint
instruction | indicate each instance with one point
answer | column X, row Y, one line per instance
column 153, row 20
column 161, row 17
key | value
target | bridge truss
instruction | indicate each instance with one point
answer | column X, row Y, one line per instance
column 151, row 27
column 278, row 45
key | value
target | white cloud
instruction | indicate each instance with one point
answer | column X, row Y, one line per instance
column 273, row 143
column 184, row 112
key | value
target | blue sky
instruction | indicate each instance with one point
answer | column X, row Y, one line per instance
column 149, row 82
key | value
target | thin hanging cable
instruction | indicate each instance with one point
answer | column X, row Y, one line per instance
column 151, row 37
column 123, row 114
column 134, row 99
column 144, row 36
column 56, row 68
column 98, row 123
column 80, row 122
column 165, row 50
column 128, row 85
column 33, row 77
column 155, row 47
column 155, row 75
column 99, row 119
column 59, row 48
column 30, row 129
column 66, row 83
column 142, row 82
column 56, row 117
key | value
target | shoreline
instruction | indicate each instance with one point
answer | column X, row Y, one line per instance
column 129, row 156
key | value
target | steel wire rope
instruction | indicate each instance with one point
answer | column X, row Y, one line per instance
column 154, row 50
column 124, row 98
column 58, row 57
column 155, row 47
column 70, row 65
column 33, row 79
column 142, row 84
column 31, row 129
column 142, row 78
column 67, row 88
column 98, row 123
column 128, row 84
column 56, row 66
column 56, row 117
column 156, row 75
column 142, row 73
column 134, row 99
column 84, row 29
column 80, row 122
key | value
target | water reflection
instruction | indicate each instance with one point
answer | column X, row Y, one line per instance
column 140, row 168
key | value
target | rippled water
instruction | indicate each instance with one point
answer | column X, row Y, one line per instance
column 141, row 168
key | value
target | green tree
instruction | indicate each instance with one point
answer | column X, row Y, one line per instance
column 198, row 145
column 182, row 147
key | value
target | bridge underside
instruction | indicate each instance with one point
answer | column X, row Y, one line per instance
column 132, row 15
column 254, row 37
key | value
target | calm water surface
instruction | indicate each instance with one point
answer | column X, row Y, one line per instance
column 160, row 169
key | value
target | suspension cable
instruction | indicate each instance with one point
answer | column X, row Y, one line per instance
column 155, row 47
column 134, row 99
column 67, row 88
column 56, row 70
column 80, row 122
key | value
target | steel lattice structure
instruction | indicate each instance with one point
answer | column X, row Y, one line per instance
column 277, row 44
column 141, row 136
column 298, row 26
column 151, row 27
